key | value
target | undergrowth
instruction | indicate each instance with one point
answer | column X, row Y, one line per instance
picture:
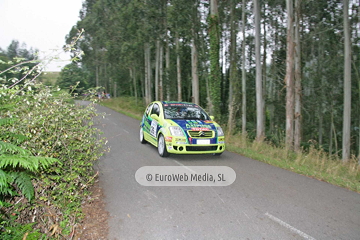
column 48, row 146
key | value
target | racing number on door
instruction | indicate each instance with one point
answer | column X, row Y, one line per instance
column 153, row 128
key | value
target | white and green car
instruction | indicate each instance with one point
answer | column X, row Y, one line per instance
column 181, row 128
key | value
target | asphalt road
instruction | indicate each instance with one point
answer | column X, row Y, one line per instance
column 264, row 202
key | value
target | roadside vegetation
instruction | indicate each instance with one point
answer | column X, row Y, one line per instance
column 313, row 162
column 47, row 150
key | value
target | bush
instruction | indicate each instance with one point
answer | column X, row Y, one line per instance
column 52, row 144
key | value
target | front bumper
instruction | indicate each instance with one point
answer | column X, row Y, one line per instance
column 182, row 146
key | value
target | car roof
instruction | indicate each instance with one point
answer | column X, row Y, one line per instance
column 177, row 102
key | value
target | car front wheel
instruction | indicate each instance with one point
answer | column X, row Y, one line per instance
column 162, row 146
column 142, row 139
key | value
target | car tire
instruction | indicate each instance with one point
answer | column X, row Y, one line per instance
column 142, row 138
column 162, row 146
column 217, row 154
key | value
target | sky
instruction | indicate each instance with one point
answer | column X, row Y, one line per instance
column 40, row 24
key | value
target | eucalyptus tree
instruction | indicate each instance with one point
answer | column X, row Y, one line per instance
column 233, row 85
column 289, row 78
column 260, row 126
column 297, row 79
column 215, row 74
column 347, row 85
column 243, row 70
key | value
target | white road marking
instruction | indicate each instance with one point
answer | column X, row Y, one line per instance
column 218, row 195
column 288, row 226
column 196, row 173
column 185, row 166
column 125, row 131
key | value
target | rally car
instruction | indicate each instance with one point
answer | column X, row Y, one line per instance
column 181, row 128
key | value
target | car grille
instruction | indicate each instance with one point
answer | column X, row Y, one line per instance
column 201, row 134
column 201, row 148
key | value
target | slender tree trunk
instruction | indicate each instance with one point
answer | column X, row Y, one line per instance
column 321, row 129
column 135, row 85
column 214, row 80
column 146, row 74
column 157, row 66
column 133, row 76
column 243, row 71
column 298, row 89
column 97, row 75
column 167, row 66
column 161, row 73
column 150, row 84
column 264, row 66
column 260, row 131
column 148, row 87
column 233, row 71
column 347, row 85
column 331, row 129
column 289, row 78
column 178, row 67
column 194, row 71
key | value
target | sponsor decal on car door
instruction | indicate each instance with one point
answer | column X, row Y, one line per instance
column 153, row 128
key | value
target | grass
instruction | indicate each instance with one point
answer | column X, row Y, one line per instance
column 314, row 163
column 49, row 78
column 126, row 105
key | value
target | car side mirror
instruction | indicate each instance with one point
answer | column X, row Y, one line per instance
column 212, row 117
column 154, row 116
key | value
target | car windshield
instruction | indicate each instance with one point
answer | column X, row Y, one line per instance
column 184, row 111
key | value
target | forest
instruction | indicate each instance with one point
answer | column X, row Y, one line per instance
column 286, row 72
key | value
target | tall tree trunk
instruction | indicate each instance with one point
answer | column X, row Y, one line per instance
column 243, row 71
column 214, row 80
column 97, row 74
column 161, row 73
column 150, row 75
column 157, row 66
column 146, row 96
column 289, row 78
column 260, row 130
column 135, row 85
column 233, row 71
column 148, row 88
column 167, row 66
column 298, row 90
column 264, row 65
column 347, row 85
column 178, row 67
column 194, row 71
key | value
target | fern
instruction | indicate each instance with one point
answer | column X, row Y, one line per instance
column 5, row 181
column 23, row 182
column 11, row 148
column 29, row 163
column 15, row 165
column 6, row 121
column 19, row 231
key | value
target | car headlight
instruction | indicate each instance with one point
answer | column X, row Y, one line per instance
column 220, row 131
column 176, row 131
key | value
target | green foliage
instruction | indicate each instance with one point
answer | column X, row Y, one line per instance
column 26, row 231
column 47, row 150
column 16, row 163
column 73, row 78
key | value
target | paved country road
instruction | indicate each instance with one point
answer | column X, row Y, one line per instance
column 264, row 202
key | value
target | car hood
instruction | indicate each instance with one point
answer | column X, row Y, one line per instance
column 195, row 125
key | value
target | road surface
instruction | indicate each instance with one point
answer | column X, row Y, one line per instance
column 264, row 202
